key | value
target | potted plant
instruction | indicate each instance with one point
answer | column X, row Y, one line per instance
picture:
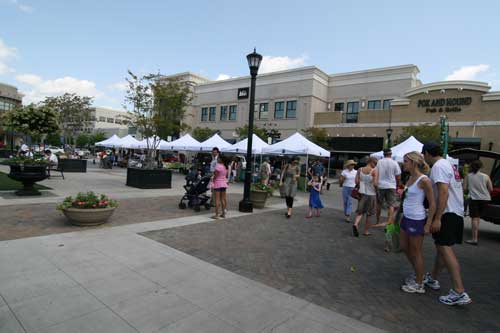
column 36, row 121
column 259, row 194
column 88, row 209
column 27, row 171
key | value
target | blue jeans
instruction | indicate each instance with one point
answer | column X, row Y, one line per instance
column 346, row 196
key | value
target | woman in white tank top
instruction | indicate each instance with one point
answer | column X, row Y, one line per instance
column 416, row 222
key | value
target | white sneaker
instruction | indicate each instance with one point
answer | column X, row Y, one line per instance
column 410, row 278
column 413, row 288
column 454, row 298
column 430, row 282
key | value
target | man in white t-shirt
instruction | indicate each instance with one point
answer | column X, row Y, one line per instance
column 448, row 224
column 386, row 181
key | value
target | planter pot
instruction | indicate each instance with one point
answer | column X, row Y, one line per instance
column 28, row 175
column 149, row 178
column 73, row 165
column 258, row 198
column 88, row 217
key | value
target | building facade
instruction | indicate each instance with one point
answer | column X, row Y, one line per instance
column 355, row 108
column 9, row 99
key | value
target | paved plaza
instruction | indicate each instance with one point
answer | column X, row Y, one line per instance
column 155, row 268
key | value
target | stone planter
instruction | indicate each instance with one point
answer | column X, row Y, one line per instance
column 88, row 217
column 73, row 165
column 28, row 175
column 258, row 198
column 149, row 178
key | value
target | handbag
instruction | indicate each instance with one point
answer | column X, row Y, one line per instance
column 355, row 193
column 282, row 191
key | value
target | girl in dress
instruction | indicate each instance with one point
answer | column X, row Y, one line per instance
column 314, row 196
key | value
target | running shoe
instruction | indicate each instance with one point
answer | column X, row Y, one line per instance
column 411, row 279
column 454, row 298
column 430, row 282
column 413, row 288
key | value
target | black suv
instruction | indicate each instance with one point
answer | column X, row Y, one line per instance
column 492, row 211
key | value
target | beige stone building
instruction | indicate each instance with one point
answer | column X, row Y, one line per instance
column 9, row 99
column 355, row 108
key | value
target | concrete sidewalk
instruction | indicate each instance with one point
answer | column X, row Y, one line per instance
column 114, row 280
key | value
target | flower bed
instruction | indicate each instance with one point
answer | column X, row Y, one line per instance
column 88, row 209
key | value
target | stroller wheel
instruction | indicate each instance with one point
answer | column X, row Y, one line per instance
column 197, row 208
column 207, row 206
column 182, row 205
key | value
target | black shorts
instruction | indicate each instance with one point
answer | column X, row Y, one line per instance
column 476, row 207
column 220, row 189
column 452, row 230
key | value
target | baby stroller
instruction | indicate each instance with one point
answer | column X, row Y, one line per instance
column 195, row 195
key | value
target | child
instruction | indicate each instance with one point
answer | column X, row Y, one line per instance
column 314, row 197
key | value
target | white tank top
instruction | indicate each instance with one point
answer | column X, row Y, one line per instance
column 413, row 204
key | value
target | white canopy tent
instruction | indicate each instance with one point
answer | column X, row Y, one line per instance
column 113, row 141
column 151, row 143
column 214, row 141
column 296, row 145
column 400, row 150
column 128, row 141
column 186, row 142
column 241, row 147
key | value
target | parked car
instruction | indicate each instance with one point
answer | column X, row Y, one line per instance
column 56, row 150
column 82, row 152
column 492, row 211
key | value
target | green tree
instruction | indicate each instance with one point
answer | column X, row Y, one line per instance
column 317, row 135
column 74, row 112
column 96, row 137
column 82, row 140
column 33, row 120
column 243, row 132
column 202, row 133
column 422, row 133
column 171, row 98
column 53, row 139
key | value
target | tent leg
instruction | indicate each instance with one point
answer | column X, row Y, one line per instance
column 307, row 168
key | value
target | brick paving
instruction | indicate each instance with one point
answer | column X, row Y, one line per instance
column 20, row 221
column 319, row 261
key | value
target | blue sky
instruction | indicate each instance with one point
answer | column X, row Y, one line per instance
column 52, row 47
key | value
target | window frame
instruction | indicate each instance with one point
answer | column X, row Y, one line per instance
column 282, row 103
column 342, row 109
column 266, row 104
column 349, row 118
column 390, row 104
column 214, row 114
column 204, row 114
column 223, row 113
column 371, row 105
column 233, row 110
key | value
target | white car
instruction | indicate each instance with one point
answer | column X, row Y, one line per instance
column 56, row 150
column 82, row 152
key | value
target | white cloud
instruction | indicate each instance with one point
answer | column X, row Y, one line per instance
column 22, row 7
column 4, row 69
column 39, row 88
column 273, row 64
column 6, row 52
column 222, row 77
column 121, row 86
column 467, row 72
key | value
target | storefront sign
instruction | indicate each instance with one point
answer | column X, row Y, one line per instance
column 243, row 93
column 444, row 104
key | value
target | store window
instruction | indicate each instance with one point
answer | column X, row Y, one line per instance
column 223, row 112
column 110, row 120
column 102, row 119
column 373, row 105
column 291, row 109
column 263, row 110
column 232, row 112
column 279, row 110
column 338, row 107
column 204, row 114
column 352, row 112
column 212, row 113
column 387, row 104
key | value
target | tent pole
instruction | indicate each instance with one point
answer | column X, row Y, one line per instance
column 307, row 168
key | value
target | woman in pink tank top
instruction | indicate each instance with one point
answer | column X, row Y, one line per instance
column 219, row 185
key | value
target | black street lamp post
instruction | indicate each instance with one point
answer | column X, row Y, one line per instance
column 254, row 60
column 389, row 141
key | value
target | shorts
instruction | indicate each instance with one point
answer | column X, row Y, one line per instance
column 452, row 230
column 387, row 197
column 366, row 205
column 476, row 207
column 220, row 189
column 413, row 227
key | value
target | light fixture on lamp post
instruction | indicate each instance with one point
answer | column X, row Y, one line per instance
column 389, row 134
column 254, row 60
